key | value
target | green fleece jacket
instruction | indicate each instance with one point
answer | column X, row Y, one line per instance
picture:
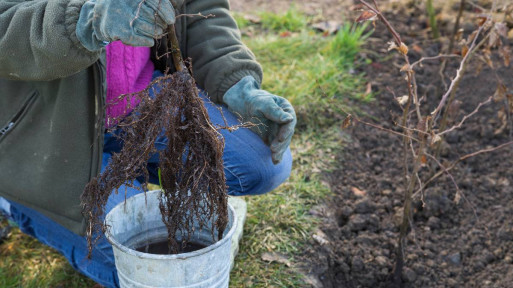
column 52, row 95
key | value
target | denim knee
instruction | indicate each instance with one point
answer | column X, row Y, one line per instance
column 258, row 176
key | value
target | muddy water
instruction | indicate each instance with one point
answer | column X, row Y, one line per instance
column 161, row 247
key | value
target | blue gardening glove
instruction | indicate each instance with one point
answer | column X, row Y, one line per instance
column 274, row 116
column 134, row 22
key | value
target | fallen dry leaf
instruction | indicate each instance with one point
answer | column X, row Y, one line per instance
column 285, row 34
column 358, row 192
column 275, row 257
column 368, row 89
column 435, row 139
column 471, row 37
column 457, row 197
column 320, row 238
column 252, row 18
column 417, row 48
column 504, row 50
column 402, row 100
column 367, row 16
column 500, row 92
column 503, row 118
column 487, row 57
column 391, row 45
column 493, row 39
column 504, row 182
column 464, row 51
column 327, row 27
column 347, row 122
column 502, row 29
column 481, row 19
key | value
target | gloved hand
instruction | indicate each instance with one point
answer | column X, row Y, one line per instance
column 274, row 115
column 134, row 22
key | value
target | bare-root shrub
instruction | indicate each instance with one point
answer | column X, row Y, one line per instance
column 191, row 166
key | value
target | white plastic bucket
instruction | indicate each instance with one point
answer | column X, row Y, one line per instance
column 138, row 219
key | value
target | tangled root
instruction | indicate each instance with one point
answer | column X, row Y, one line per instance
column 193, row 180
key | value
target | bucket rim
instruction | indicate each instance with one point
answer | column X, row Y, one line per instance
column 187, row 255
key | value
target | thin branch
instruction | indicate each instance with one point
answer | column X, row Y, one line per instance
column 444, row 170
column 414, row 90
column 458, row 191
column 375, row 4
column 476, row 6
column 432, row 58
column 397, row 38
column 487, row 150
column 413, row 129
column 466, row 117
column 385, row 129
column 459, row 74
column 453, row 164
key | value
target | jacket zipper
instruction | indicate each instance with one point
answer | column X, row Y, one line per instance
column 14, row 120
column 99, row 113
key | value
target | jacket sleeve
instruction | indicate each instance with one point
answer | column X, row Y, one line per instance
column 219, row 57
column 38, row 40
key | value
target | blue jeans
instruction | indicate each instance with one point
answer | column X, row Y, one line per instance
column 249, row 171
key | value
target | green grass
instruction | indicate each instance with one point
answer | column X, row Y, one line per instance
column 311, row 71
column 25, row 262
column 292, row 21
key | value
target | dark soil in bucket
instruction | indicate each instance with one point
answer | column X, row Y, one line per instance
column 161, row 247
column 456, row 241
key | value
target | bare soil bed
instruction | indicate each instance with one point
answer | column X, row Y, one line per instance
column 453, row 243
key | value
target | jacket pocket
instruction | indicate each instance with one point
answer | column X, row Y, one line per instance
column 17, row 117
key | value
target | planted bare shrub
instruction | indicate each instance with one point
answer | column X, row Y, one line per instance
column 422, row 127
